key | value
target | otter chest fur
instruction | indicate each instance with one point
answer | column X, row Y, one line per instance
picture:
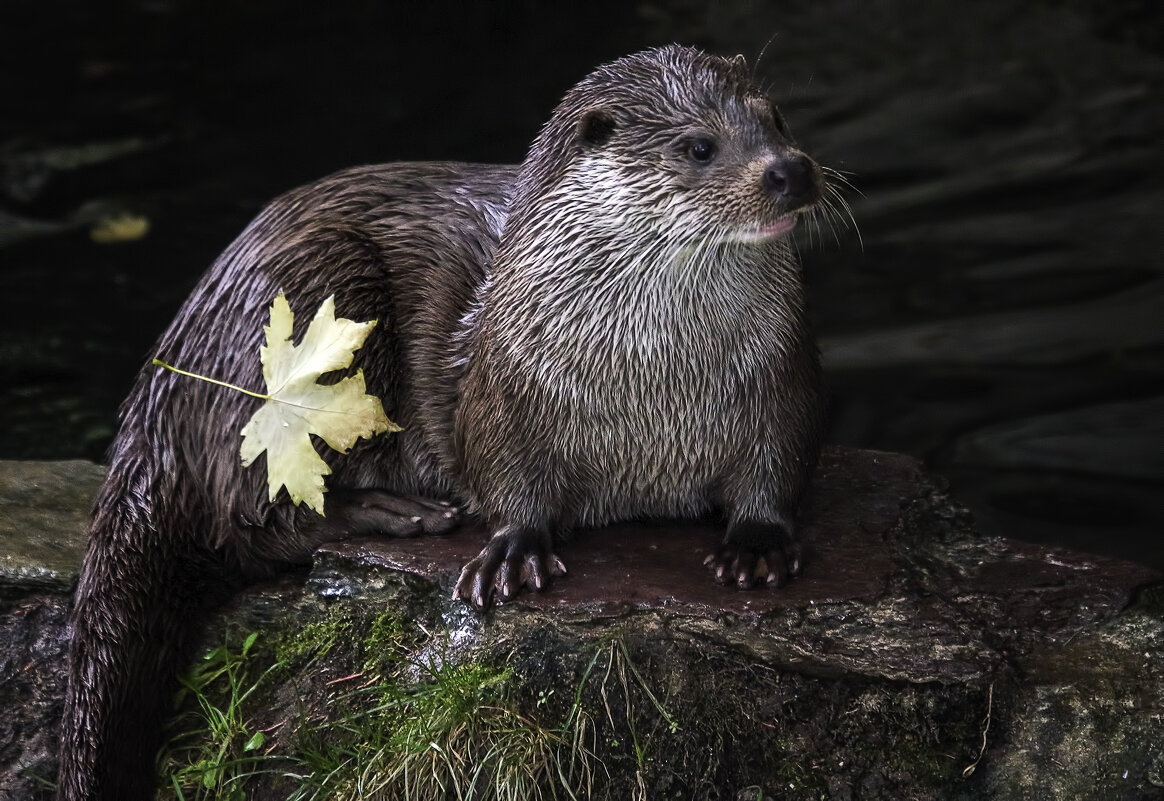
column 646, row 374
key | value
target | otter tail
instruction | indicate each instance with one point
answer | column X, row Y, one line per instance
column 133, row 624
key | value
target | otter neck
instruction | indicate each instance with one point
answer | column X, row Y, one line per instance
column 597, row 232
column 641, row 298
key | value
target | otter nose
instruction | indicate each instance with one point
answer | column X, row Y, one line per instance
column 791, row 179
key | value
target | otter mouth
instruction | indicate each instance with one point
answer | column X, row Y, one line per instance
column 778, row 228
column 773, row 230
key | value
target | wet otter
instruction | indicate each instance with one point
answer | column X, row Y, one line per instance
column 615, row 329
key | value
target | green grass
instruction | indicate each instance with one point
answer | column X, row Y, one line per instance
column 412, row 730
column 216, row 748
column 455, row 735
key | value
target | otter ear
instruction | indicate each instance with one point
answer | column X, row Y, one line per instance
column 596, row 127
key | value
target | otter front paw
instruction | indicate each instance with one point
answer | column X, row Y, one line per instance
column 757, row 553
column 513, row 558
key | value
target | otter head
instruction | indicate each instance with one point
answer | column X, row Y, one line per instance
column 669, row 141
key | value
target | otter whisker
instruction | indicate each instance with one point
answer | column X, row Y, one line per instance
column 841, row 177
column 825, row 214
column 839, row 209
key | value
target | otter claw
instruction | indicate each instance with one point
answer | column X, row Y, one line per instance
column 756, row 554
column 747, row 569
column 513, row 558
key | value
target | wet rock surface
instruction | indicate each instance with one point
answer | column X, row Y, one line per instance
column 909, row 641
column 44, row 507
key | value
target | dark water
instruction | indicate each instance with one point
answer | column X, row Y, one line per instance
column 999, row 313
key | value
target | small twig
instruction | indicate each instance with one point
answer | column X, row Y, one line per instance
column 969, row 769
column 344, row 678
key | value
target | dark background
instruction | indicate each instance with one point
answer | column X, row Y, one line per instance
column 999, row 313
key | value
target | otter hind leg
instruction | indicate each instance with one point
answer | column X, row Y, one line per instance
column 368, row 512
column 514, row 557
column 756, row 553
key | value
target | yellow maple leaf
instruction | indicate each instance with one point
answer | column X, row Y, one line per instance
column 297, row 406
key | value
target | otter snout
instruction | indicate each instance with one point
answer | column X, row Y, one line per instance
column 793, row 180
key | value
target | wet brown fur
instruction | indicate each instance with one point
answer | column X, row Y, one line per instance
column 545, row 377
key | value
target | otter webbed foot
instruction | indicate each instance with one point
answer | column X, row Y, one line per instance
column 756, row 553
column 365, row 512
column 513, row 558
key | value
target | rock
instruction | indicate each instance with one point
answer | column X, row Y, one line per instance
column 913, row 659
column 44, row 507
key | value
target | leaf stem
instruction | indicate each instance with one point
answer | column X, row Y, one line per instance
column 179, row 371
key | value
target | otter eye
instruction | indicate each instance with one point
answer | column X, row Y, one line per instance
column 597, row 127
column 701, row 150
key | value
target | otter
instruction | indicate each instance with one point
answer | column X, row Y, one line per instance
column 614, row 329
